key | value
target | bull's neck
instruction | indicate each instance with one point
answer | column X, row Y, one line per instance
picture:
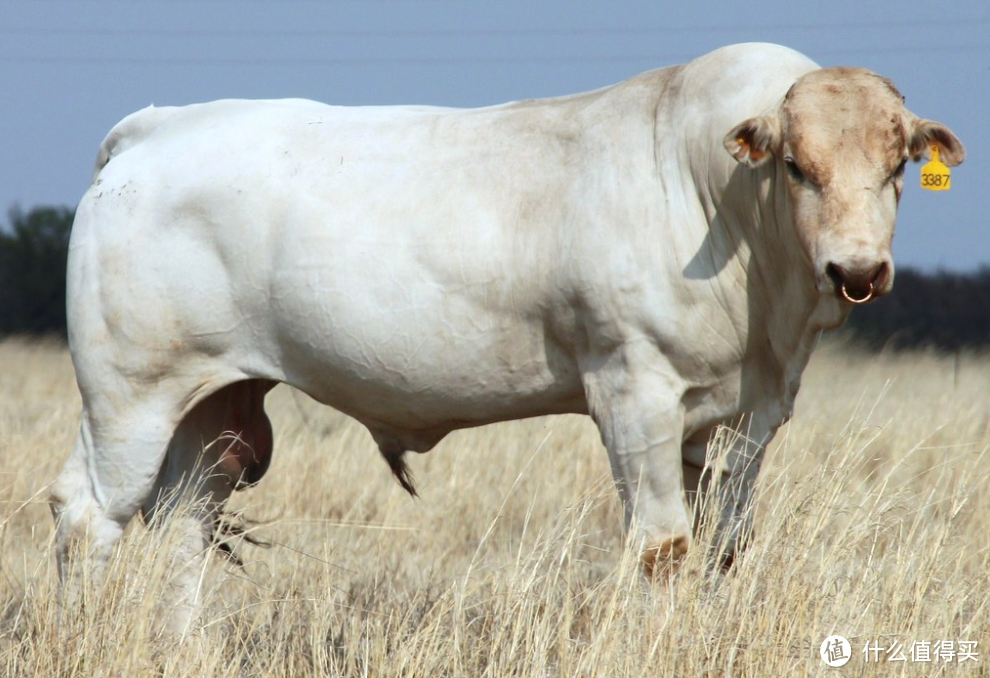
column 774, row 279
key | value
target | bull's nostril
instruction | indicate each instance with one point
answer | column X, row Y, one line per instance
column 835, row 274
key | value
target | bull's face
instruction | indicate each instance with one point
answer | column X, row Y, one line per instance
column 840, row 141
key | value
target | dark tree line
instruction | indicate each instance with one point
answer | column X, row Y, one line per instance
column 33, row 248
column 944, row 310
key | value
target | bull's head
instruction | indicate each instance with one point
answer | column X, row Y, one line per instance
column 840, row 141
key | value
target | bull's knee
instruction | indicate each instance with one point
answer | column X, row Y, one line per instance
column 662, row 559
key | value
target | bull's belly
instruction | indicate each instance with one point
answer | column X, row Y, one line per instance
column 409, row 368
column 391, row 393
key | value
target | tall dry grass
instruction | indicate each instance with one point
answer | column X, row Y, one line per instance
column 873, row 522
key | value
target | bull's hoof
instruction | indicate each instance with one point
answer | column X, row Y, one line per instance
column 663, row 559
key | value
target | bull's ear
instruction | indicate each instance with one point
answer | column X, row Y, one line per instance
column 923, row 133
column 752, row 142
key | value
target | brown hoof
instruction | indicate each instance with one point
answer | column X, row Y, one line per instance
column 664, row 558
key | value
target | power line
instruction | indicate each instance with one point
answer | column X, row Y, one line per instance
column 475, row 33
column 356, row 61
column 167, row 3
column 656, row 58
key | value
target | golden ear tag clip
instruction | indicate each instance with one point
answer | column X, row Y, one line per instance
column 935, row 175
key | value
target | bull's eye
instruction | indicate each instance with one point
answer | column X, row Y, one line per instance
column 899, row 172
column 793, row 170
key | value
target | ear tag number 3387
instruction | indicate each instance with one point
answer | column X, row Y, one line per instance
column 935, row 174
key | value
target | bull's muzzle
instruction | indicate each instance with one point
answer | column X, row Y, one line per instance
column 859, row 284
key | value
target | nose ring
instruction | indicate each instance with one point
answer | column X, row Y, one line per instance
column 852, row 300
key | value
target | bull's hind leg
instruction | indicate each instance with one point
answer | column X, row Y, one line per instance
column 223, row 444
column 108, row 475
column 130, row 454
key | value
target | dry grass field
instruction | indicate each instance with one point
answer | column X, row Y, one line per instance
column 873, row 522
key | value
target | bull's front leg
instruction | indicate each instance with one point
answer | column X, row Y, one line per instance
column 637, row 406
column 719, row 479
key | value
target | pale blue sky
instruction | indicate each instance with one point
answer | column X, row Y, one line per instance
column 70, row 69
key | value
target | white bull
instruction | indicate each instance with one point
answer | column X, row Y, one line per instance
column 427, row 269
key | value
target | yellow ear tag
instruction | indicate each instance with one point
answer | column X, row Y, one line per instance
column 935, row 174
